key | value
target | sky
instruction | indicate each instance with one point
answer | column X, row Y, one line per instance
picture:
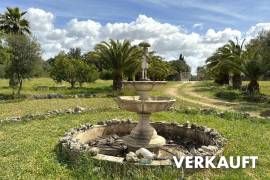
column 195, row 28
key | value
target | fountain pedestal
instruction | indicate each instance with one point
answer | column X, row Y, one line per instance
column 144, row 135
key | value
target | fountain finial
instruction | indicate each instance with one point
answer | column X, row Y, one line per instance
column 145, row 46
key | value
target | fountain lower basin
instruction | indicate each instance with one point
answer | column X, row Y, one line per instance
column 181, row 140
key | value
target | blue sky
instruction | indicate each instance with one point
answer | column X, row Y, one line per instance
column 195, row 28
column 217, row 14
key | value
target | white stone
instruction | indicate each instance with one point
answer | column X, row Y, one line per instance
column 145, row 153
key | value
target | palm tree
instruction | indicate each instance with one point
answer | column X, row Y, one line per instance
column 119, row 56
column 158, row 68
column 234, row 52
column 217, row 67
column 12, row 21
column 254, row 66
column 132, row 70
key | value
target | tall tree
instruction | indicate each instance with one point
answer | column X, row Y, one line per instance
column 66, row 68
column 25, row 59
column 217, row 66
column 234, row 52
column 118, row 56
column 12, row 21
column 75, row 53
column 180, row 67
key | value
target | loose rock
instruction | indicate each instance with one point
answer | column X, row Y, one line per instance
column 132, row 157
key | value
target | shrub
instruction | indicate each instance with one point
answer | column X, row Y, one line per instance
column 227, row 95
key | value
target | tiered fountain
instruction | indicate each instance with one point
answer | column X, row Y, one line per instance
column 144, row 135
column 113, row 140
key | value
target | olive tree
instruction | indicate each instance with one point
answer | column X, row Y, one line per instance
column 24, row 61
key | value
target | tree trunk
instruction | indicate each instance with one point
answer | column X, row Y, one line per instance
column 253, row 86
column 236, row 81
column 117, row 81
column 20, row 87
column 72, row 84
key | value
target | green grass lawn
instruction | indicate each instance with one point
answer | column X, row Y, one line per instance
column 28, row 150
column 23, row 107
column 265, row 87
column 30, row 87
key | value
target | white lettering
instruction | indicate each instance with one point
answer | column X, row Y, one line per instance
column 222, row 163
column 180, row 162
column 198, row 162
column 245, row 161
column 189, row 162
column 209, row 162
column 238, row 162
column 253, row 161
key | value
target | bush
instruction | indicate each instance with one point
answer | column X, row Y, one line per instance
column 72, row 70
column 227, row 95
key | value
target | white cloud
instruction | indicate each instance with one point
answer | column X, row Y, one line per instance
column 166, row 39
column 40, row 19
column 198, row 26
column 212, row 36
column 83, row 29
column 254, row 30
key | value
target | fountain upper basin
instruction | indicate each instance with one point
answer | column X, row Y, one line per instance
column 143, row 85
column 151, row 105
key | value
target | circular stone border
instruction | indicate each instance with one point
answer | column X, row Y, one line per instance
column 75, row 141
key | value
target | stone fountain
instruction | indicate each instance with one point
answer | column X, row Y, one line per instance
column 144, row 135
column 114, row 140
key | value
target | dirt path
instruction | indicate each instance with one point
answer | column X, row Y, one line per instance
column 173, row 91
column 185, row 92
column 191, row 91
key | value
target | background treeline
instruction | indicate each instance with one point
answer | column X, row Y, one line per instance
column 20, row 58
column 239, row 60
